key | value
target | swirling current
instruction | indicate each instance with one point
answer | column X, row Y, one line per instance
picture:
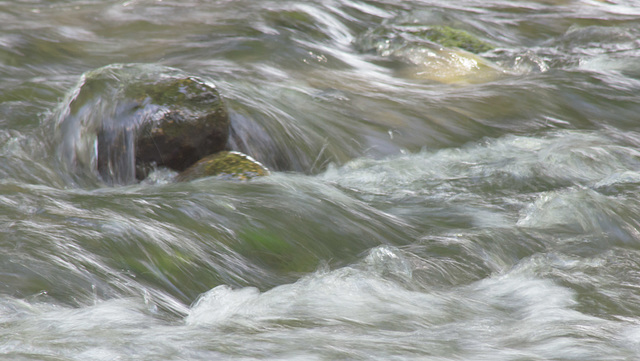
column 426, row 201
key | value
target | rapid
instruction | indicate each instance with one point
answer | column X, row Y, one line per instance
column 424, row 203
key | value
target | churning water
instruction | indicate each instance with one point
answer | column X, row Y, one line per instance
column 424, row 203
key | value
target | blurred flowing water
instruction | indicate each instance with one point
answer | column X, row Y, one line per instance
column 415, row 211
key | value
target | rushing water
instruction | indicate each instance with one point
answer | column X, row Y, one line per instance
column 422, row 204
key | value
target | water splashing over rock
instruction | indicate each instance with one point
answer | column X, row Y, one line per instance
column 121, row 121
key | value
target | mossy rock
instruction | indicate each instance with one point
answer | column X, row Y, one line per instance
column 123, row 120
column 228, row 165
column 453, row 38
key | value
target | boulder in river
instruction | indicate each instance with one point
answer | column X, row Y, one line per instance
column 124, row 120
column 228, row 165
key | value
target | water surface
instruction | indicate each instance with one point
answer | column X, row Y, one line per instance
column 418, row 208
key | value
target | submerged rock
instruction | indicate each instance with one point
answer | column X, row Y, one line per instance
column 437, row 53
column 450, row 66
column 121, row 121
column 229, row 165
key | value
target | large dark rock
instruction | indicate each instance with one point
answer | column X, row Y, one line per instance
column 121, row 121
column 192, row 124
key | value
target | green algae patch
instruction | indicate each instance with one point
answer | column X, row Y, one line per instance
column 267, row 248
column 228, row 165
column 159, row 262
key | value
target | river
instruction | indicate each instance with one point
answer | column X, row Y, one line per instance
column 424, row 203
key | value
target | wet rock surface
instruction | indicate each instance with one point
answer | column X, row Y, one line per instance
column 227, row 165
column 194, row 124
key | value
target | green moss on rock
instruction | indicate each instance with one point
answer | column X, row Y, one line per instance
column 231, row 165
column 397, row 39
column 187, row 91
column 454, row 38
